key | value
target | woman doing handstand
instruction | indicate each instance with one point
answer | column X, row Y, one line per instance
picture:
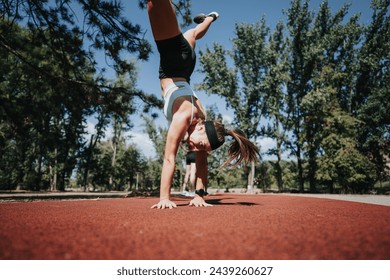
column 185, row 114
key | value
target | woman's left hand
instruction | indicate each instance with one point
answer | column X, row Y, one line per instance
column 199, row 202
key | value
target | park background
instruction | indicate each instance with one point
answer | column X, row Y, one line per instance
column 307, row 81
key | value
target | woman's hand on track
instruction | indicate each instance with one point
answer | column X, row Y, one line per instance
column 199, row 202
column 164, row 203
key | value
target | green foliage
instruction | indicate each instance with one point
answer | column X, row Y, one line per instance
column 239, row 86
column 341, row 163
column 316, row 84
column 275, row 81
column 50, row 86
column 220, row 79
column 371, row 102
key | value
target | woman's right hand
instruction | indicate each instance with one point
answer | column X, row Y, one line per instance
column 164, row 203
column 199, row 202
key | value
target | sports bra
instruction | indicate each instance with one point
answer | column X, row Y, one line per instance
column 182, row 89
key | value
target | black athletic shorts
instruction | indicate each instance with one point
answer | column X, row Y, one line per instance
column 177, row 58
column 190, row 158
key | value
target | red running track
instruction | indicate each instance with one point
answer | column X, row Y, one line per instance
column 254, row 227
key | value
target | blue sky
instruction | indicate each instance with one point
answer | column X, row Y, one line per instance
column 222, row 31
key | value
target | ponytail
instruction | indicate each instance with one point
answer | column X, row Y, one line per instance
column 241, row 150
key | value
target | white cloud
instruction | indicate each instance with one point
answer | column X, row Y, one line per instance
column 266, row 143
column 227, row 118
column 90, row 128
column 143, row 142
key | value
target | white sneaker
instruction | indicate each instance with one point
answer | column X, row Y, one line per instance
column 200, row 18
column 214, row 15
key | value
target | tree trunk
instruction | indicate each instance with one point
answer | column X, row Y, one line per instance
column 251, row 178
column 53, row 185
column 301, row 181
column 279, row 171
column 113, row 162
column 87, row 162
column 331, row 187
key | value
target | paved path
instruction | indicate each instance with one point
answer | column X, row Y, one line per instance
column 371, row 199
column 276, row 227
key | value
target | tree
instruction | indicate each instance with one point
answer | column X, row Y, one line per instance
column 371, row 101
column 51, row 83
column 131, row 164
column 120, row 119
column 321, row 43
column 299, row 20
column 275, row 81
column 242, row 86
column 45, row 117
column 339, row 161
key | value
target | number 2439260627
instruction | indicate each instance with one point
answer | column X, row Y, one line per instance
column 240, row 270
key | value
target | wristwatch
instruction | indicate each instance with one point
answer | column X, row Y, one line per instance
column 200, row 192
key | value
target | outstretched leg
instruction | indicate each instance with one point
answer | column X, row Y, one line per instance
column 201, row 29
column 163, row 19
column 192, row 177
column 198, row 32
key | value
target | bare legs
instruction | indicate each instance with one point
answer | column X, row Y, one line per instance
column 164, row 26
column 198, row 32
column 162, row 19
column 164, row 23
column 190, row 177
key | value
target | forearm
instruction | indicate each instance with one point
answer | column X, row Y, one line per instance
column 175, row 134
column 201, row 170
column 167, row 173
column 201, row 180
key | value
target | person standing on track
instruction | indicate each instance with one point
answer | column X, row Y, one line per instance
column 182, row 108
column 190, row 176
